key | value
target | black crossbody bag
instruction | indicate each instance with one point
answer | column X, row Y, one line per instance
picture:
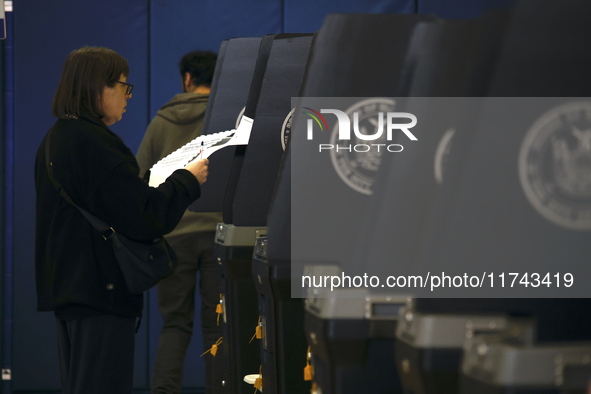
column 143, row 264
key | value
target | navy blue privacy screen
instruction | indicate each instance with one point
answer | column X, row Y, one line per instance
column 373, row 73
column 536, row 224
column 229, row 96
column 282, row 80
column 249, row 110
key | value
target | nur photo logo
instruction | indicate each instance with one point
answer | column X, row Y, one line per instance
column 359, row 136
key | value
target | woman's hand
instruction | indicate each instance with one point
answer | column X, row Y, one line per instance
column 199, row 168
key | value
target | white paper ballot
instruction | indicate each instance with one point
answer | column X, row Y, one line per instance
column 200, row 148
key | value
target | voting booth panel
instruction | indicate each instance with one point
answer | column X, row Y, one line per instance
column 551, row 228
column 283, row 345
column 282, row 79
column 229, row 93
column 324, row 200
column 346, row 50
column 456, row 9
column 408, row 184
column 454, row 58
column 490, row 215
column 233, row 250
column 524, row 225
column 345, row 62
column 277, row 76
column 232, row 194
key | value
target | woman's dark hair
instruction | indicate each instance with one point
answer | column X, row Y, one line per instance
column 200, row 65
column 85, row 74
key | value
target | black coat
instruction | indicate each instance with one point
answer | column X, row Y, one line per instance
column 74, row 265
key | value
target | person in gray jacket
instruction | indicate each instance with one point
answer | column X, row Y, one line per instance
column 175, row 124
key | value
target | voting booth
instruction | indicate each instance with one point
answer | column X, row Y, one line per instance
column 281, row 341
column 350, row 332
column 451, row 64
column 489, row 214
column 548, row 233
column 233, row 250
column 229, row 92
column 277, row 76
column 227, row 129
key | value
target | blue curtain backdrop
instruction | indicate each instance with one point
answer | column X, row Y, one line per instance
column 152, row 35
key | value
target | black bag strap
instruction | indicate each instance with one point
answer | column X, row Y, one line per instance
column 103, row 228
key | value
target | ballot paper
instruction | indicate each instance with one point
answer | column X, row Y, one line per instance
column 200, row 148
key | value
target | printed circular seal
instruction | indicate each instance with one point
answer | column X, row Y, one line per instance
column 555, row 165
column 358, row 169
column 286, row 129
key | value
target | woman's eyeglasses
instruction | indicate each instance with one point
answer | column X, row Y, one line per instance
column 129, row 87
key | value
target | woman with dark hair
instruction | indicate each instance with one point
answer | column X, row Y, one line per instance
column 77, row 274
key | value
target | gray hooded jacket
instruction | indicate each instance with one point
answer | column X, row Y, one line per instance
column 176, row 123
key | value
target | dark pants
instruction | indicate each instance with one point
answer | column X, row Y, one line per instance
column 176, row 301
column 96, row 354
